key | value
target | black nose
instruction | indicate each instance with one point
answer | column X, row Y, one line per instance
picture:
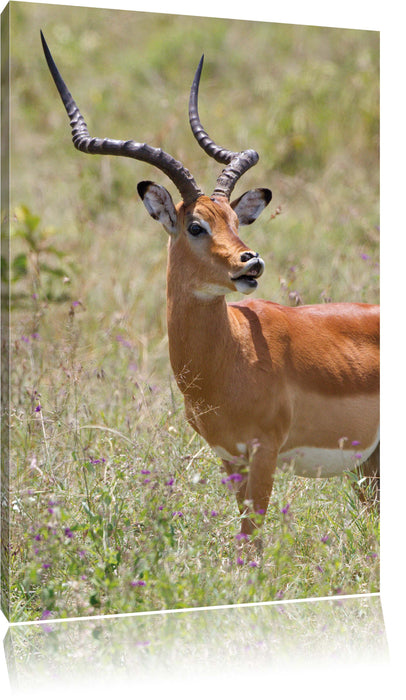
column 248, row 255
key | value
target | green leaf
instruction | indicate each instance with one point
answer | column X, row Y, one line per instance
column 25, row 216
column 4, row 269
column 19, row 266
column 57, row 271
column 55, row 251
column 92, row 517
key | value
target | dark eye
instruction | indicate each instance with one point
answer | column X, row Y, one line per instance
column 195, row 229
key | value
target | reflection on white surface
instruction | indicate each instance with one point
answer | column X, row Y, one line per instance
column 174, row 649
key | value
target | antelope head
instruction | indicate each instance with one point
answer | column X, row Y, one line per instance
column 203, row 230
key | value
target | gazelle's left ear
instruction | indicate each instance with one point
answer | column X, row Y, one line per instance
column 159, row 204
column 249, row 206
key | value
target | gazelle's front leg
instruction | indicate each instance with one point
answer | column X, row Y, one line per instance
column 258, row 486
column 239, row 486
column 254, row 488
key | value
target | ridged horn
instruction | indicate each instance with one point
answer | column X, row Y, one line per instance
column 237, row 163
column 180, row 176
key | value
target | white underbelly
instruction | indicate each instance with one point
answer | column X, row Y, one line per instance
column 324, row 463
column 307, row 461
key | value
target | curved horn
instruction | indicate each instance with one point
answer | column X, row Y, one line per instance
column 237, row 163
column 179, row 175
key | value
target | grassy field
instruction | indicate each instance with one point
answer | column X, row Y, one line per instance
column 286, row 638
column 116, row 505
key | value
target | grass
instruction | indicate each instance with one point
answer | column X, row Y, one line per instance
column 116, row 505
column 331, row 633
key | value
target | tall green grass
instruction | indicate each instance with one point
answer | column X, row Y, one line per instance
column 116, row 504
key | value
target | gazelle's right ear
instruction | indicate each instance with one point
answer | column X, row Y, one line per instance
column 159, row 204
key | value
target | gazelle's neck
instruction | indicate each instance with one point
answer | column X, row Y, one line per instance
column 199, row 332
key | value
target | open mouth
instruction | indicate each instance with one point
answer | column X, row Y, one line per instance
column 248, row 275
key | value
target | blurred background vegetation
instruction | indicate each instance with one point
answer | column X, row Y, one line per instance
column 87, row 264
column 306, row 98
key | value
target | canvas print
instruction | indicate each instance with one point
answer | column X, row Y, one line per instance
column 190, row 385
column 183, row 650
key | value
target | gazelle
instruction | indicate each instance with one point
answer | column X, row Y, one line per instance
column 264, row 384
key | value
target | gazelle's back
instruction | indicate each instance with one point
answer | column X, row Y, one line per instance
column 331, row 348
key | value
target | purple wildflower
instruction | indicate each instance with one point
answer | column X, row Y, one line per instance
column 68, row 532
column 253, row 564
column 285, row 509
column 240, row 561
column 170, row 482
column 125, row 343
column 232, row 477
column 355, row 443
column 177, row 514
column 324, row 539
column 241, row 536
column 138, row 583
column 46, row 566
column 38, row 408
column 214, row 513
column 145, row 471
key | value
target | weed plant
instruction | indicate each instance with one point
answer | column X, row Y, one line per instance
column 116, row 505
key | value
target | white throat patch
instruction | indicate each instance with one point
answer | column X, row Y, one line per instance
column 210, row 291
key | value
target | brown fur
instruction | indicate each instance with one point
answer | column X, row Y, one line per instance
column 258, row 374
